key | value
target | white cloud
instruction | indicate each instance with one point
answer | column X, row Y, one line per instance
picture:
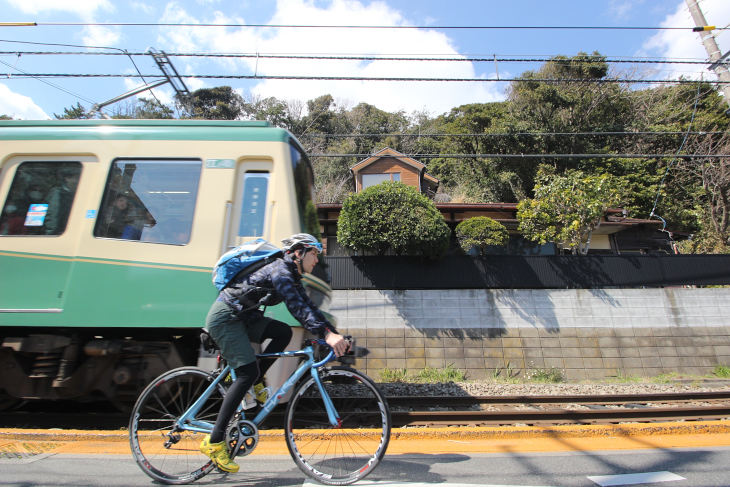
column 686, row 45
column 143, row 7
column 437, row 96
column 83, row 8
column 19, row 106
column 100, row 36
column 621, row 9
column 91, row 35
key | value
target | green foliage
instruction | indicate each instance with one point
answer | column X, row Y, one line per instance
column 509, row 377
column 5, row 117
column 391, row 215
column 722, row 371
column 431, row 375
column 622, row 378
column 77, row 112
column 153, row 109
column 390, row 376
column 550, row 375
column 567, row 209
column 219, row 103
column 141, row 108
column 481, row 232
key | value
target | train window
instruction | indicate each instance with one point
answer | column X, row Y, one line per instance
column 304, row 187
column 40, row 198
column 253, row 204
column 149, row 200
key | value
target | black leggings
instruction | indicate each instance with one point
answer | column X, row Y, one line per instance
column 248, row 375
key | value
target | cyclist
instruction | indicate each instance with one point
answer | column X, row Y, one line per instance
column 235, row 320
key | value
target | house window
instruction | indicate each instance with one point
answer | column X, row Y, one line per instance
column 373, row 179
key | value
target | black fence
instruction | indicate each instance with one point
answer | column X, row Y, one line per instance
column 529, row 272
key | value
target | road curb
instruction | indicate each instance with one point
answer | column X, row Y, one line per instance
column 414, row 433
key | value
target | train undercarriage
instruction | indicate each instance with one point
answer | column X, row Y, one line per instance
column 84, row 366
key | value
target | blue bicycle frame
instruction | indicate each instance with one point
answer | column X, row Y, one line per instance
column 188, row 422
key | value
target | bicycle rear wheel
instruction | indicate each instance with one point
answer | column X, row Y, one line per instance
column 348, row 453
column 160, row 447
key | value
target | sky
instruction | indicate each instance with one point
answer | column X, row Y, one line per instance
column 32, row 98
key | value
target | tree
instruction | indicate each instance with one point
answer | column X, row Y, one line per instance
column 393, row 215
column 77, row 112
column 481, row 232
column 5, row 117
column 219, row 103
column 479, row 180
column 567, row 209
column 141, row 108
column 286, row 114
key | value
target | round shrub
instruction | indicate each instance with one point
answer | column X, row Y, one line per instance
column 392, row 215
column 481, row 232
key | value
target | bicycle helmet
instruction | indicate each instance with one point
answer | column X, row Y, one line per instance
column 299, row 240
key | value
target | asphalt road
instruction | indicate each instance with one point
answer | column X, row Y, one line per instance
column 680, row 467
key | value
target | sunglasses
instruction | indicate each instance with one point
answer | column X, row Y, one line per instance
column 317, row 247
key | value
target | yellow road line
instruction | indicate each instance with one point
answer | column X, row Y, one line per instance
column 445, row 440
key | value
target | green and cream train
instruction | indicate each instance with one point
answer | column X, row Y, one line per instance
column 108, row 234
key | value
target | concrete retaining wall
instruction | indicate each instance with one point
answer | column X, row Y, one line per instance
column 589, row 334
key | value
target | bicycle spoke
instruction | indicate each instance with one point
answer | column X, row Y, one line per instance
column 338, row 456
column 163, row 448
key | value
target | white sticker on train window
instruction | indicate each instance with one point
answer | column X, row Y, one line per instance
column 220, row 163
column 36, row 215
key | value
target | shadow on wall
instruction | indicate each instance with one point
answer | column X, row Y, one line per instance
column 464, row 313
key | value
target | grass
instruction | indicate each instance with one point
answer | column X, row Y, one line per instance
column 621, row 378
column 722, row 371
column 552, row 375
column 390, row 376
column 509, row 377
column 432, row 375
column 545, row 376
column 429, row 375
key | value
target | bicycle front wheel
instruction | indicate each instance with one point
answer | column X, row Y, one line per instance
column 162, row 448
column 344, row 454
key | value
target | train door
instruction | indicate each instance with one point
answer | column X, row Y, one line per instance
column 41, row 222
column 251, row 211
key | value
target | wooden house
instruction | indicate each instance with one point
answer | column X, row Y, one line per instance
column 617, row 233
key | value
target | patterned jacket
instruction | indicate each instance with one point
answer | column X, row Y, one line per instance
column 281, row 282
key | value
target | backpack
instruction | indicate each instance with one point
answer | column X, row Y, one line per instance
column 244, row 260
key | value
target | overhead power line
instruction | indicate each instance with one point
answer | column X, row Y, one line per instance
column 361, row 58
column 384, row 27
column 369, row 78
column 26, row 75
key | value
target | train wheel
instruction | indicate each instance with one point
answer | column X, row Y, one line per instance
column 8, row 402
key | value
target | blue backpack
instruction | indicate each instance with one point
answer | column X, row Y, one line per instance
column 244, row 260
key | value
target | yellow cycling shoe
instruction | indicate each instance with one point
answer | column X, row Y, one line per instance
column 218, row 452
column 262, row 393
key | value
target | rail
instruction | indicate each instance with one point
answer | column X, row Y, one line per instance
column 446, row 411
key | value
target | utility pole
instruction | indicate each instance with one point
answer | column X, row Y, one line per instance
column 708, row 40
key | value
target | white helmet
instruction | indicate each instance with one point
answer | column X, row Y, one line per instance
column 301, row 240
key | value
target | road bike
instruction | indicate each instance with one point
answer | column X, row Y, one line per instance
column 336, row 424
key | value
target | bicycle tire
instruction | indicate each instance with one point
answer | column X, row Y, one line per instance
column 154, row 415
column 343, row 455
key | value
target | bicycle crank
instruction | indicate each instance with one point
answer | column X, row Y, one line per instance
column 242, row 438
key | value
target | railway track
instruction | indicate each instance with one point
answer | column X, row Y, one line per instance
column 441, row 411
column 550, row 410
